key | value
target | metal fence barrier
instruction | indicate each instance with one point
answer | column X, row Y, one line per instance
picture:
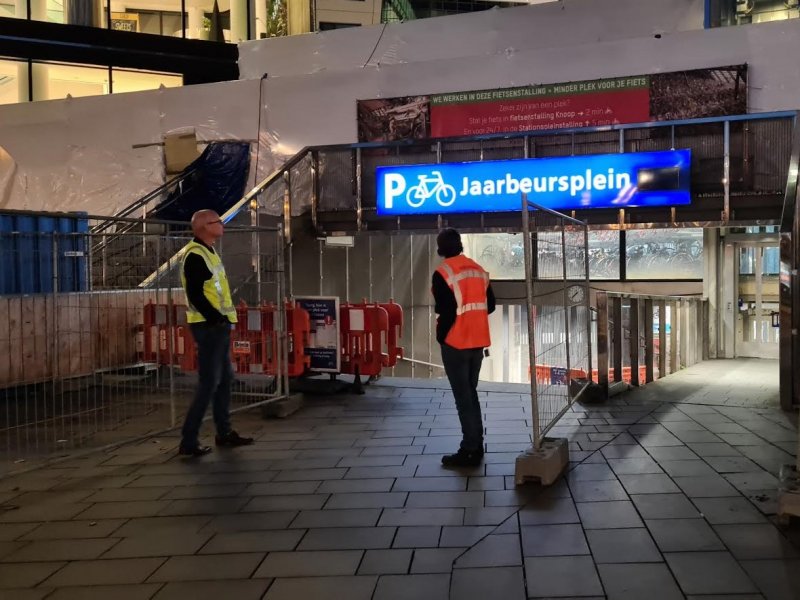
column 91, row 356
column 641, row 338
column 559, row 323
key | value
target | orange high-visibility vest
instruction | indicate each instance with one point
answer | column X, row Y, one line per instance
column 469, row 282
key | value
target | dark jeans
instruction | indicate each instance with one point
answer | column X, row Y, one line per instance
column 215, row 375
column 462, row 368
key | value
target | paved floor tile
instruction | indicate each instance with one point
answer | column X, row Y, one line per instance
column 597, row 491
column 130, row 494
column 248, row 522
column 713, row 449
column 385, row 562
column 55, row 550
column 671, row 453
column 354, row 486
column 211, row 566
column 624, row 451
column 247, row 589
column 635, row 582
column 430, row 484
column 558, row 576
column 590, row 472
column 435, row 560
column 553, row 540
column 488, row 515
column 777, row 579
column 709, row 573
column 631, row 466
column 478, row 584
column 367, row 500
column 684, row 535
column 493, row 551
column 412, row 587
column 723, row 511
column 622, row 546
column 650, row 483
column 708, row 486
column 346, row 538
column 664, row 506
column 322, row 588
column 732, row 464
column 417, row 537
column 686, row 468
column 158, row 545
column 141, row 591
column 294, row 502
column 19, row 594
column 608, row 515
column 421, row 516
column 12, row 531
column 549, row 511
column 252, row 541
column 346, row 517
column 27, row 574
column 756, row 541
column 445, row 499
column 310, row 564
column 204, row 506
column 105, row 572
column 162, row 525
column 463, row 535
column 746, row 482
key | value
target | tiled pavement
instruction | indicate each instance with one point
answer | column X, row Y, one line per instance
column 669, row 496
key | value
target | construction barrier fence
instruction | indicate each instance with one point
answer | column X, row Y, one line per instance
column 106, row 356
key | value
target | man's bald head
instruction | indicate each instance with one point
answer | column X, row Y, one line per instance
column 207, row 226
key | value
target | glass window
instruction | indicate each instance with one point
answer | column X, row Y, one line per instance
column 136, row 81
column 13, row 81
column 604, row 259
column 664, row 254
column 52, row 81
column 14, row 9
column 742, row 12
column 501, row 254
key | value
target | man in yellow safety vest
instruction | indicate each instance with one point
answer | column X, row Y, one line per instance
column 464, row 299
column 210, row 314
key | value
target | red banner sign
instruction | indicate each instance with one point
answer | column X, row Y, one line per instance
column 543, row 107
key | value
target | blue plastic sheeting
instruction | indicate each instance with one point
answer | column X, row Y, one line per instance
column 217, row 182
column 38, row 251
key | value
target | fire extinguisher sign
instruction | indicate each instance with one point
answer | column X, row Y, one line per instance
column 323, row 341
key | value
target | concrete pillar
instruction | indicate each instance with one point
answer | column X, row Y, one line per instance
column 194, row 24
column 728, row 301
column 41, row 81
column 260, row 19
column 711, row 286
column 20, row 9
column 23, row 76
column 238, row 21
column 38, row 10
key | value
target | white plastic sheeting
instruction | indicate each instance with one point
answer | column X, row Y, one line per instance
column 99, row 154
column 504, row 32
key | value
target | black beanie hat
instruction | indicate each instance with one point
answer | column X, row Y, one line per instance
column 448, row 243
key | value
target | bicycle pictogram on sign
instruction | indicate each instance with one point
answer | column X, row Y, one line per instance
column 430, row 186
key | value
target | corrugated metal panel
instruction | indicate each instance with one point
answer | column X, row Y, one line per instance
column 27, row 263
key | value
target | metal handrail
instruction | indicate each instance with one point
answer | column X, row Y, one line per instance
column 144, row 200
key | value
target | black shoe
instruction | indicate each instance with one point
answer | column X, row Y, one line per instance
column 232, row 439
column 463, row 459
column 195, row 451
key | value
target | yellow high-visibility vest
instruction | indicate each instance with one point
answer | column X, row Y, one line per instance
column 216, row 290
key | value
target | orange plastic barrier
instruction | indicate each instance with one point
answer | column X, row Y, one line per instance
column 363, row 329
column 393, row 351
column 298, row 325
column 254, row 341
column 157, row 329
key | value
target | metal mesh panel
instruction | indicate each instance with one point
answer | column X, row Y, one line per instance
column 558, row 313
column 337, row 188
column 99, row 352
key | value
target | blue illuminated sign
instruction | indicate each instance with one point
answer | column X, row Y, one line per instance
column 575, row 182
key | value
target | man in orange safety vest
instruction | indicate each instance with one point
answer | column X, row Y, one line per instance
column 464, row 299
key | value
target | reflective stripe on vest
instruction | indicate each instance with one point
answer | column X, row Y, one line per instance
column 216, row 289
column 471, row 327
